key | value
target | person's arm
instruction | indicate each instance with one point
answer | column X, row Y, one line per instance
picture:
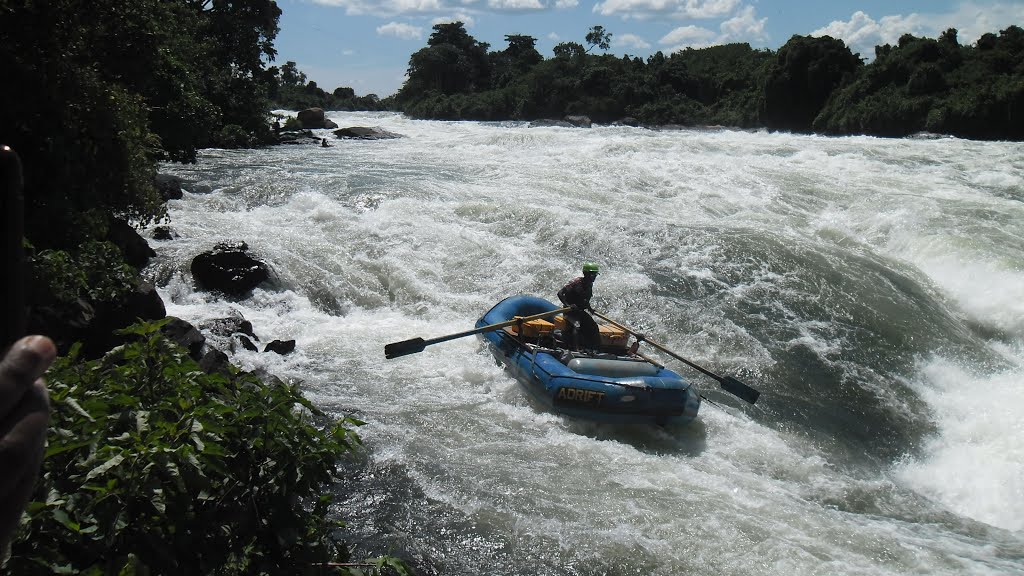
column 570, row 294
column 24, row 416
column 565, row 294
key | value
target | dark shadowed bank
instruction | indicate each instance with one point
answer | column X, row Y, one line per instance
column 162, row 458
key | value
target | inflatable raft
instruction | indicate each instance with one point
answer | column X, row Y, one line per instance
column 607, row 385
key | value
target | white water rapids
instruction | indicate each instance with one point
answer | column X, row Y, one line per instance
column 871, row 289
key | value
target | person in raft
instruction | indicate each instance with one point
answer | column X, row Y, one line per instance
column 581, row 330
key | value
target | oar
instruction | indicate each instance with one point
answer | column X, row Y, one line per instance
column 728, row 383
column 396, row 349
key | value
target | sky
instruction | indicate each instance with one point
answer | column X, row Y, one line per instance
column 366, row 45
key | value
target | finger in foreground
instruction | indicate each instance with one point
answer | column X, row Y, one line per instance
column 22, row 441
column 23, row 364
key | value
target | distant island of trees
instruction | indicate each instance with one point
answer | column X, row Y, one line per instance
column 811, row 84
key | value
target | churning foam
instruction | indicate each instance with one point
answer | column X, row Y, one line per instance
column 975, row 466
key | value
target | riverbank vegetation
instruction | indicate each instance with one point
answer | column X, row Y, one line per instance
column 154, row 465
column 808, row 85
column 294, row 91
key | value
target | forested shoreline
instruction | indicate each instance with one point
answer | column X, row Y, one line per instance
column 810, row 84
column 99, row 93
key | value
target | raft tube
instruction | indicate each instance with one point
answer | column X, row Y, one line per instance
column 617, row 389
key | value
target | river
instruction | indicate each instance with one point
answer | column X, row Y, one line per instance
column 871, row 289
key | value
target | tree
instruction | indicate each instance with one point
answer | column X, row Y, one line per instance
column 599, row 37
column 453, row 62
column 569, row 50
column 291, row 75
column 516, row 60
column 805, row 73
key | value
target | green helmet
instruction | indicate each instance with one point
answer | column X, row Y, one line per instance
column 590, row 267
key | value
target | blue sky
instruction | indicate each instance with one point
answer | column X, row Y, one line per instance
column 366, row 45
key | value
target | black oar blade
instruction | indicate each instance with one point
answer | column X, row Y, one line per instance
column 396, row 349
column 739, row 389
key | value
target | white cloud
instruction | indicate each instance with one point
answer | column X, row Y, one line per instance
column 630, row 41
column 862, row 32
column 743, row 27
column 515, row 5
column 461, row 17
column 392, row 8
column 554, row 37
column 400, row 30
column 679, row 9
column 388, row 7
column 684, row 36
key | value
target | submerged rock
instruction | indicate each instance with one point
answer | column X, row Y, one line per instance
column 281, row 346
column 366, row 133
column 227, row 268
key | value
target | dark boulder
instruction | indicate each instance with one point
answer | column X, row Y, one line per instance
column 186, row 336
column 281, row 346
column 551, row 123
column 298, row 137
column 246, row 343
column 144, row 303
column 227, row 327
column 169, row 187
column 215, row 362
column 227, row 268
column 315, row 118
column 579, row 121
column 163, row 233
column 136, row 250
column 366, row 133
column 64, row 323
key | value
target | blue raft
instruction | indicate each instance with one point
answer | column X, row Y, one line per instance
column 610, row 385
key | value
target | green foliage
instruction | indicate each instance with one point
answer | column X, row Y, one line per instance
column 805, row 73
column 147, row 80
column 95, row 271
column 599, row 37
column 291, row 91
column 154, row 467
column 234, row 136
column 938, row 86
column 809, row 84
column 453, row 62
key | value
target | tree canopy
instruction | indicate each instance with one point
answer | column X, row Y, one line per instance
column 809, row 84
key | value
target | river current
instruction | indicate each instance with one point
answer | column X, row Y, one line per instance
column 871, row 289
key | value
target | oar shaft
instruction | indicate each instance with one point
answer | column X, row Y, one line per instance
column 492, row 327
column 731, row 385
column 418, row 344
column 655, row 344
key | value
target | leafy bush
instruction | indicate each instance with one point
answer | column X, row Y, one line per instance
column 234, row 136
column 96, row 271
column 154, row 467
